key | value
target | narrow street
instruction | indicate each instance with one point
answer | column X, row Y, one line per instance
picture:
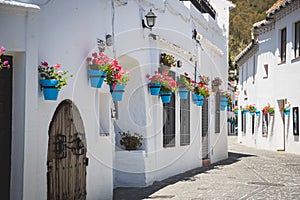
column 247, row 174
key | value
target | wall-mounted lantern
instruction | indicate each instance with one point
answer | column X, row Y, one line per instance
column 150, row 19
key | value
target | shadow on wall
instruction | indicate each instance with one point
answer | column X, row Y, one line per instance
column 142, row 193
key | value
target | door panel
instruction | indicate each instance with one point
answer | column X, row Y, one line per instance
column 5, row 128
column 66, row 154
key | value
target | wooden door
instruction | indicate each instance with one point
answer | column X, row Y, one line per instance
column 5, row 128
column 67, row 159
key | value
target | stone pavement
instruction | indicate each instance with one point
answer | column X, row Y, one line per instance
column 248, row 173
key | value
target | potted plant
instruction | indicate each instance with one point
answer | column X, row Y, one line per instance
column 154, row 83
column 245, row 110
column 268, row 109
column 3, row 64
column 235, row 110
column 185, row 84
column 131, row 141
column 52, row 80
column 97, row 66
column 117, row 79
column 168, row 85
column 166, row 62
column 252, row 109
column 201, row 91
column 286, row 108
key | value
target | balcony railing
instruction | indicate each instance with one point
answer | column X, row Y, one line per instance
column 203, row 6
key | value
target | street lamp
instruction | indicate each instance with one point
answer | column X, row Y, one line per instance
column 150, row 19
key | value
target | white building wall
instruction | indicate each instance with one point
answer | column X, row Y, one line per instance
column 281, row 84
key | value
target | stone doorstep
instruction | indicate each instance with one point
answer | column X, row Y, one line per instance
column 206, row 162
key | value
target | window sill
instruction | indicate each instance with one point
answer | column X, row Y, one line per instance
column 282, row 63
column 296, row 59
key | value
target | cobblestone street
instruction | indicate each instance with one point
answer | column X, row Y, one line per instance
column 247, row 174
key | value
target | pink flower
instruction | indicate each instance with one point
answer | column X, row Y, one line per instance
column 2, row 50
column 95, row 55
column 148, row 76
column 56, row 66
column 59, row 72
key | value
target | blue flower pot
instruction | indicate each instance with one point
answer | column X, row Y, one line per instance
column 198, row 99
column 49, row 89
column 236, row 112
column 223, row 103
column 245, row 111
column 165, row 96
column 117, row 92
column 154, row 88
column 183, row 93
column 257, row 113
column 96, row 78
column 287, row 112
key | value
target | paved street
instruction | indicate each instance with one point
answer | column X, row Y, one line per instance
column 247, row 174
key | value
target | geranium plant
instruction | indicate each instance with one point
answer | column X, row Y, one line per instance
column 268, row 109
column 167, row 59
column 52, row 72
column 116, row 75
column 168, row 84
column 185, row 82
column 201, row 88
column 99, row 61
column 285, row 107
column 3, row 64
column 252, row 108
column 235, row 109
column 156, row 78
column 228, row 96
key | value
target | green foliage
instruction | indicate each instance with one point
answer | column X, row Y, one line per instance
column 242, row 17
column 131, row 141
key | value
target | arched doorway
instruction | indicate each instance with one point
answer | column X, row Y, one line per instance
column 67, row 161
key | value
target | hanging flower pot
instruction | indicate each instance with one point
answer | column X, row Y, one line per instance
column 183, row 93
column 165, row 96
column 245, row 112
column 287, row 112
column 117, row 92
column 198, row 99
column 96, row 77
column 49, row 89
column 236, row 112
column 257, row 113
column 154, row 88
column 223, row 103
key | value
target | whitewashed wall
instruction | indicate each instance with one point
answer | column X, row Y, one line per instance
column 280, row 84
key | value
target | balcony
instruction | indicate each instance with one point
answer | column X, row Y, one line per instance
column 203, row 6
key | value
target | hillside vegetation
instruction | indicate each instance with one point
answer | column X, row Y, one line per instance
column 242, row 17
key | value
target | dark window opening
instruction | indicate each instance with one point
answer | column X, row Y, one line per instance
column 169, row 120
column 283, row 45
column 217, row 113
column 295, row 121
column 265, row 124
column 297, row 40
column 185, row 121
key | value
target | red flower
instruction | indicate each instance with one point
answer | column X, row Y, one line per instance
column 45, row 64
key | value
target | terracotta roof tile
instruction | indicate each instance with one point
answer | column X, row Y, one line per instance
column 277, row 6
